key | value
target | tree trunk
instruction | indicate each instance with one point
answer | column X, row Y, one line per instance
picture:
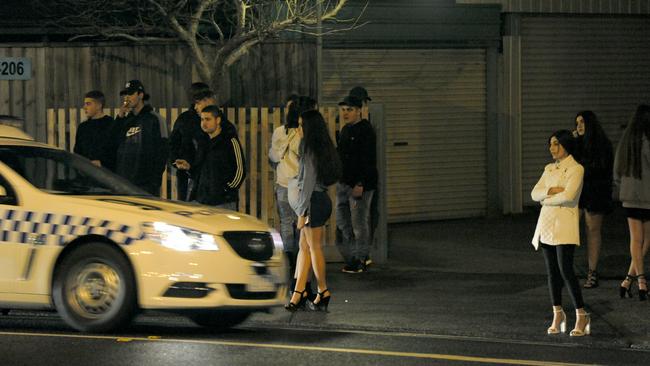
column 220, row 85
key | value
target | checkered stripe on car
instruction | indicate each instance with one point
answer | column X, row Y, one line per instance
column 29, row 227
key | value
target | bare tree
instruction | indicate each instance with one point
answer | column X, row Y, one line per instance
column 217, row 32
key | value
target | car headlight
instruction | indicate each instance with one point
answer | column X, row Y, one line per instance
column 179, row 238
column 277, row 240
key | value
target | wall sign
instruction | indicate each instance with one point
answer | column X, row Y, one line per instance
column 15, row 68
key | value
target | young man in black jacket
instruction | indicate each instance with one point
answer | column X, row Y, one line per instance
column 355, row 190
column 141, row 142
column 221, row 168
column 185, row 139
column 92, row 140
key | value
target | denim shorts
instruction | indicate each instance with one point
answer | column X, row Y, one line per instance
column 320, row 209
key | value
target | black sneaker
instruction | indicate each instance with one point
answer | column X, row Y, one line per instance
column 352, row 268
column 367, row 261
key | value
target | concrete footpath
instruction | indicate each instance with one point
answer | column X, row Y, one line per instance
column 478, row 278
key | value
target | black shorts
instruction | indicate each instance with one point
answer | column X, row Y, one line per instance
column 320, row 209
column 642, row 214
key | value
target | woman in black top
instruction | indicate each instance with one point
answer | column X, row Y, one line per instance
column 594, row 152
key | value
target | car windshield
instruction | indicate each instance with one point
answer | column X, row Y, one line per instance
column 60, row 172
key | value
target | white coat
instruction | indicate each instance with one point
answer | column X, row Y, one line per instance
column 559, row 219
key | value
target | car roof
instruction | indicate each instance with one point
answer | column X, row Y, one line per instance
column 11, row 132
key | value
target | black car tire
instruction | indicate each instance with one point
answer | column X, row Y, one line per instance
column 94, row 288
column 220, row 319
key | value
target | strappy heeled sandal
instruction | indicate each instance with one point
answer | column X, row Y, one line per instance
column 293, row 307
column 592, row 280
column 554, row 330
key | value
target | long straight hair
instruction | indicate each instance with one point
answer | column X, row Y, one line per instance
column 596, row 150
column 628, row 153
column 319, row 145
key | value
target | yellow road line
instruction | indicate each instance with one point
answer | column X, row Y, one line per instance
column 431, row 356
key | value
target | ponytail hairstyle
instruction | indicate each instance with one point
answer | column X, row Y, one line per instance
column 566, row 139
column 302, row 104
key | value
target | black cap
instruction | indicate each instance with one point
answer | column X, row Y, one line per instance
column 352, row 101
column 133, row 86
column 359, row 92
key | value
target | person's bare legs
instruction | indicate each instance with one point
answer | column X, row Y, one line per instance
column 303, row 266
column 594, row 223
column 315, row 240
column 639, row 244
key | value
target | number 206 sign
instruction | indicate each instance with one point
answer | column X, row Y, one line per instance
column 15, row 68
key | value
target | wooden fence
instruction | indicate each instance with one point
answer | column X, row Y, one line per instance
column 254, row 126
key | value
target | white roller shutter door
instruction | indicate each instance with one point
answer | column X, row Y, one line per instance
column 435, row 111
column 572, row 63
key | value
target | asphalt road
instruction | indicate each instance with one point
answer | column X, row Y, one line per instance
column 37, row 338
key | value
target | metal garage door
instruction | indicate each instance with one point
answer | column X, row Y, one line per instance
column 572, row 63
column 435, row 112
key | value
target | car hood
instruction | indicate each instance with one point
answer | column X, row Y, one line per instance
column 150, row 209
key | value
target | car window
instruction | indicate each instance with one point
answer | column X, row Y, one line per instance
column 7, row 194
column 60, row 172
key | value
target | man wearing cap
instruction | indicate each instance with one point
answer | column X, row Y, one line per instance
column 361, row 93
column 142, row 145
column 355, row 190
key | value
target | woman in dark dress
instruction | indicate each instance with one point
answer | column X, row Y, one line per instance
column 595, row 153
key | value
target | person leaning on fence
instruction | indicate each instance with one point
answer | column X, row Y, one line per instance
column 319, row 168
column 221, row 167
column 558, row 229
column 284, row 153
column 141, row 145
column 355, row 190
column 91, row 140
column 186, row 137
column 632, row 178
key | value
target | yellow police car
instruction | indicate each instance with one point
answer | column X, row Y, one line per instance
column 87, row 243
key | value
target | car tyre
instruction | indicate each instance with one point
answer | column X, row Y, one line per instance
column 94, row 288
column 220, row 319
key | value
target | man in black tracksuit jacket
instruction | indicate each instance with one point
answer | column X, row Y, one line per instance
column 141, row 150
column 221, row 168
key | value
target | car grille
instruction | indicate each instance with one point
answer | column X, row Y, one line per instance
column 254, row 246
column 239, row 292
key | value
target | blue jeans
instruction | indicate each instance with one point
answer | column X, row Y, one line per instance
column 353, row 223
column 288, row 220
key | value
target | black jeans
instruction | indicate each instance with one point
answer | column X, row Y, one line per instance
column 559, row 266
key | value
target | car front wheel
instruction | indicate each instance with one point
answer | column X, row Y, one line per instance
column 220, row 319
column 94, row 288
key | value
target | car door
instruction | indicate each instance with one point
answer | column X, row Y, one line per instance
column 13, row 254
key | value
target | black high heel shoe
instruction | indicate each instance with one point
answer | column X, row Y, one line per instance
column 643, row 293
column 293, row 307
column 622, row 290
column 323, row 303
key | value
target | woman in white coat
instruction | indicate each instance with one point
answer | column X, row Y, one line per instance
column 558, row 230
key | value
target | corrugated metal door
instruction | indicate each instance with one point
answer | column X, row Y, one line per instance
column 435, row 111
column 576, row 63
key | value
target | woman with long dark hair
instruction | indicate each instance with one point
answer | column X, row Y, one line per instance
column 319, row 168
column 558, row 229
column 285, row 154
column 594, row 152
column 632, row 177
